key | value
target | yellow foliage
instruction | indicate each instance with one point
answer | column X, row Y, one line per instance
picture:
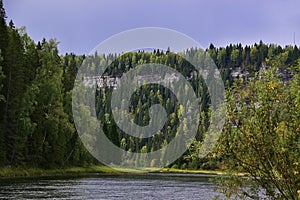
column 272, row 85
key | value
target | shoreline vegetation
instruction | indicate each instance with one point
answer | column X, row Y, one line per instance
column 18, row 172
column 260, row 137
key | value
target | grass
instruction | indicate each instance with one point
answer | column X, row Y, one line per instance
column 190, row 171
column 29, row 172
column 95, row 169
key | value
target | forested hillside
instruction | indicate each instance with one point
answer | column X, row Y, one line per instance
column 36, row 82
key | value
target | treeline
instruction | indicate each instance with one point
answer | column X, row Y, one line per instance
column 249, row 60
column 36, row 127
column 36, row 82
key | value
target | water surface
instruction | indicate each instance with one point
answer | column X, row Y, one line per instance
column 141, row 186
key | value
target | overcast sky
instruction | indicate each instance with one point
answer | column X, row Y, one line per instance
column 79, row 25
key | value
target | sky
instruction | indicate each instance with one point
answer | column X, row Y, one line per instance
column 80, row 25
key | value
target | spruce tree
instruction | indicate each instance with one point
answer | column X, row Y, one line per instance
column 13, row 90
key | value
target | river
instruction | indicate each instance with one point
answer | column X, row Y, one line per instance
column 107, row 186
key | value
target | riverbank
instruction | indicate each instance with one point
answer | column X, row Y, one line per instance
column 189, row 171
column 9, row 172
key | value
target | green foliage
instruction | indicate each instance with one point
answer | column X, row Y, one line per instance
column 36, row 122
column 2, row 146
column 2, row 76
column 262, row 139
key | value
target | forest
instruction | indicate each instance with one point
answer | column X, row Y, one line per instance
column 261, row 136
